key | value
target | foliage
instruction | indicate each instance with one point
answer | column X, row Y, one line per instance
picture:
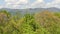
column 41, row 23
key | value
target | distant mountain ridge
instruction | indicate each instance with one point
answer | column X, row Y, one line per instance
column 32, row 10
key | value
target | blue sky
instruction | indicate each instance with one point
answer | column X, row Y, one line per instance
column 2, row 2
column 47, row 1
column 17, row 4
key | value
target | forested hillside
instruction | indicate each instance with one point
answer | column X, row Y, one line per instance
column 44, row 22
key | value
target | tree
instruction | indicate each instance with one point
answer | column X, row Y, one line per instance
column 4, row 17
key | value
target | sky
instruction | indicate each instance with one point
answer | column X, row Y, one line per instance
column 22, row 4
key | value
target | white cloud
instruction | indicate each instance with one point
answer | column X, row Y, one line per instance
column 15, row 3
column 42, row 4
column 26, row 4
column 37, row 2
column 1, row 6
column 55, row 3
column 21, row 3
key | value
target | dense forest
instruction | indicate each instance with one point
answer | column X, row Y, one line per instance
column 44, row 22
